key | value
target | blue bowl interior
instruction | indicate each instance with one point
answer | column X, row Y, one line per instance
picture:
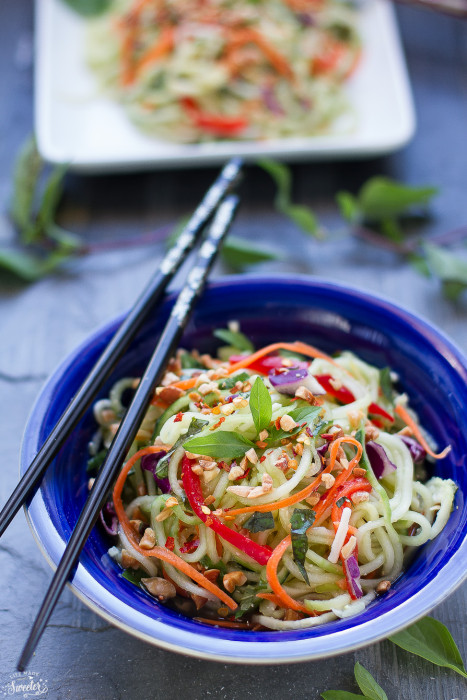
column 431, row 372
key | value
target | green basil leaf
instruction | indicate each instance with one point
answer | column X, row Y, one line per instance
column 385, row 383
column 209, row 564
column 27, row 169
column 341, row 695
column 381, row 198
column 234, row 338
column 239, row 254
column 301, row 215
column 246, row 598
column 88, row 8
column 95, row 462
column 134, row 576
column 196, row 425
column 230, row 382
column 219, row 445
column 300, row 521
column 302, row 414
column 260, row 405
column 367, row 684
column 348, row 205
column 258, row 522
column 189, row 362
column 450, row 269
column 431, row 640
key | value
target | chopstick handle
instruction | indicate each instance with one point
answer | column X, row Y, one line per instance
column 126, row 433
column 148, row 299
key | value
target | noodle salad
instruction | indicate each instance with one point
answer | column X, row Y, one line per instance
column 277, row 489
column 200, row 70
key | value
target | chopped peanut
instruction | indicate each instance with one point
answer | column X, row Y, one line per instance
column 194, row 396
column 207, row 388
column 227, row 409
column 328, row 480
column 287, row 423
column 241, row 491
column 207, row 464
column 206, row 510
column 359, row 471
column 263, row 435
column 383, row 586
column 251, row 456
column 348, row 548
column 169, row 394
column 299, row 449
column 209, row 499
column 235, row 473
column 129, row 562
column 148, row 540
column 160, row 588
column 371, row 433
column 266, row 487
column 196, row 469
column 305, row 394
column 169, row 378
column 313, row 499
column 171, row 502
column 136, row 526
column 233, row 579
column 359, row 497
column 212, row 574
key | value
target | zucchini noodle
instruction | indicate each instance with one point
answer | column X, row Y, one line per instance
column 297, row 506
column 195, row 71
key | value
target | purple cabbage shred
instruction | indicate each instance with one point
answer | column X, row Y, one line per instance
column 417, row 452
column 108, row 518
column 380, row 462
column 149, row 464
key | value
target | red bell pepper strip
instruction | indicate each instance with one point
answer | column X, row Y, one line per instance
column 345, row 396
column 218, row 124
column 264, row 365
column 192, row 485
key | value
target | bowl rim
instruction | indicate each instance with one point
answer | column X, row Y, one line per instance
column 197, row 644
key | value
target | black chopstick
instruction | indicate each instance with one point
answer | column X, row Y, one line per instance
column 151, row 295
column 125, row 435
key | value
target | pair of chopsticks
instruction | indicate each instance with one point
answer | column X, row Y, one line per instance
column 220, row 207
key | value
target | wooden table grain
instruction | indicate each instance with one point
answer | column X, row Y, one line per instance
column 81, row 657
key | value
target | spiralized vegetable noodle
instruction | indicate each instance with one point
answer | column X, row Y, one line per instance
column 200, row 70
column 279, row 490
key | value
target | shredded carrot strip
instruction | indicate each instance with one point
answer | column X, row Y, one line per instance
column 276, row 59
column 408, row 420
column 271, row 597
column 308, row 490
column 160, row 552
column 161, row 48
column 297, row 346
column 273, row 581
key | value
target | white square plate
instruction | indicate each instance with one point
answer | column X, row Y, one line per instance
column 78, row 125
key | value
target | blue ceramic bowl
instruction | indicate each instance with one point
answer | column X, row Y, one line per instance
column 333, row 317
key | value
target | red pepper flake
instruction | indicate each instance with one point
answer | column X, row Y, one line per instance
column 170, row 544
column 178, row 417
column 244, row 475
column 219, row 422
column 190, row 546
column 208, row 522
column 262, row 458
column 223, row 465
column 278, row 423
column 261, row 444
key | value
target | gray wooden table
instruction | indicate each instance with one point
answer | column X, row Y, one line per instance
column 81, row 657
